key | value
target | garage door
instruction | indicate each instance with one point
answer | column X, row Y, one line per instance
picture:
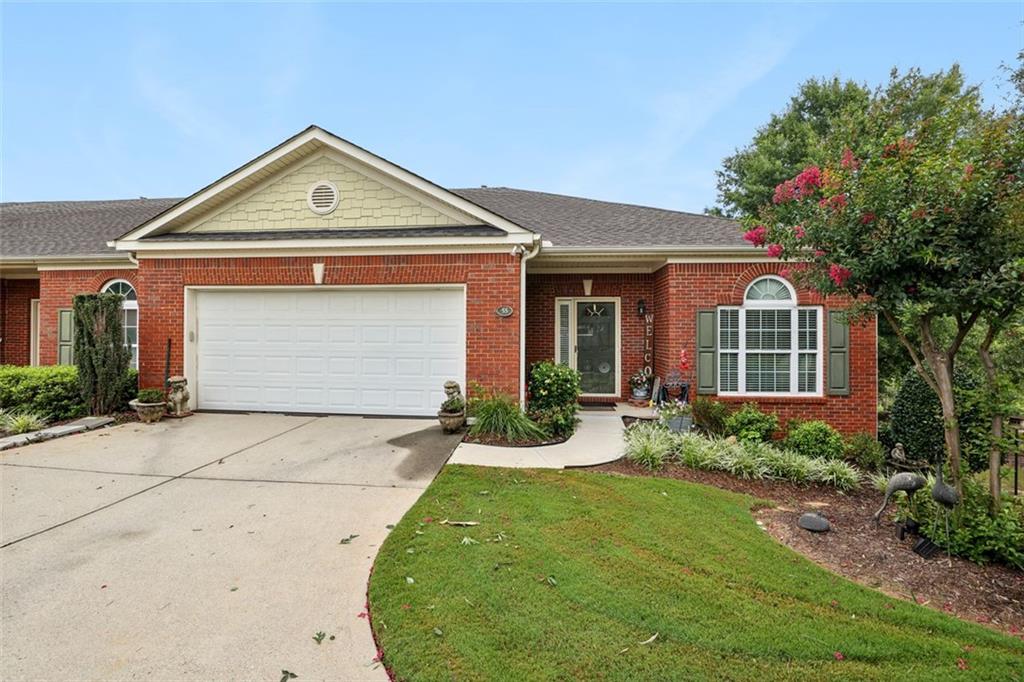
column 346, row 351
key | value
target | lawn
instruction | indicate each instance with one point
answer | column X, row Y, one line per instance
column 569, row 575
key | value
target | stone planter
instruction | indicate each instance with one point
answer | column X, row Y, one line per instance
column 681, row 424
column 148, row 412
column 451, row 421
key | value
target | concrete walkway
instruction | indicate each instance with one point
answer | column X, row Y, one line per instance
column 598, row 440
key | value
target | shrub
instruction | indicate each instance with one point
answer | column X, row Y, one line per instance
column 151, row 395
column 866, row 452
column 710, row 416
column 786, row 465
column 553, row 385
column 100, row 354
column 20, row 422
column 973, row 533
column 835, row 472
column 916, row 420
column 648, row 444
column 749, row 423
column 815, row 439
column 499, row 417
column 51, row 392
column 560, row 422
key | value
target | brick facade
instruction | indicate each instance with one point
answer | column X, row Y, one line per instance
column 542, row 290
column 492, row 280
column 57, row 289
column 15, row 320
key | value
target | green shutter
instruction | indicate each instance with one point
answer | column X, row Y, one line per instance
column 838, row 353
column 707, row 352
column 65, row 337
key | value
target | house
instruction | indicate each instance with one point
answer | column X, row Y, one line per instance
column 322, row 278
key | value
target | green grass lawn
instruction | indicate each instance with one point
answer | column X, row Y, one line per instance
column 571, row 571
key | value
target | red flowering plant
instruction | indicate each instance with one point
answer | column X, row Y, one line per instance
column 919, row 219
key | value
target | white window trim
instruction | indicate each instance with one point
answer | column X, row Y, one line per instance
column 129, row 305
column 794, row 352
column 572, row 301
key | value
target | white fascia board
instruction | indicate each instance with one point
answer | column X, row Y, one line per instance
column 340, row 145
column 446, row 244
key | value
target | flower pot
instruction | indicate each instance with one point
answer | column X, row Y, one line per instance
column 641, row 393
column 680, row 424
column 451, row 421
column 148, row 412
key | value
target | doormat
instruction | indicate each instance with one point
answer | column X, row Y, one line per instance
column 597, row 407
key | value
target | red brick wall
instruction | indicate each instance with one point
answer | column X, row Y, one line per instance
column 492, row 280
column 15, row 319
column 542, row 290
column 681, row 289
column 57, row 289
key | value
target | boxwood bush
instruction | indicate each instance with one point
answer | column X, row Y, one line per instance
column 554, row 396
column 815, row 439
column 51, row 392
column 749, row 423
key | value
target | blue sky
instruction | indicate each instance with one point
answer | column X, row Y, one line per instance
column 635, row 103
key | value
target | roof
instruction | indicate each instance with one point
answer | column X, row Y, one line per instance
column 83, row 228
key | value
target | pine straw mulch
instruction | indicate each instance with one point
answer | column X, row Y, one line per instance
column 992, row 595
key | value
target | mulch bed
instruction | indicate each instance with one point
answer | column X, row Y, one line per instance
column 992, row 595
column 495, row 440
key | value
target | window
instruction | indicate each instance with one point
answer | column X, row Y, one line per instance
column 130, row 311
column 769, row 345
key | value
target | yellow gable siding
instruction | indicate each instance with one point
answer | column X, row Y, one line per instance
column 364, row 203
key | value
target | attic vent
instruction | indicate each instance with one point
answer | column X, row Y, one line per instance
column 322, row 197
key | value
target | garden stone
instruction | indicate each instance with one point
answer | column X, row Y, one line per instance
column 17, row 441
column 814, row 522
column 58, row 431
column 91, row 423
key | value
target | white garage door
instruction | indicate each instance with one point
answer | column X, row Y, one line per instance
column 347, row 351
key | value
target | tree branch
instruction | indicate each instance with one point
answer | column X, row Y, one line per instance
column 963, row 328
column 910, row 348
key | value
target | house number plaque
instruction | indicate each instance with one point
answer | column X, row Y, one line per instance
column 504, row 311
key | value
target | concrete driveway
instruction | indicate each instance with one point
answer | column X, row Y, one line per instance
column 206, row 548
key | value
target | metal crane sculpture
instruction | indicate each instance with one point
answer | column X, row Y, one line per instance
column 906, row 481
column 942, row 492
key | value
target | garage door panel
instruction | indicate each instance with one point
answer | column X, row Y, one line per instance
column 384, row 351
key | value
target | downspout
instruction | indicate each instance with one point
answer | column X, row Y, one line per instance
column 525, row 256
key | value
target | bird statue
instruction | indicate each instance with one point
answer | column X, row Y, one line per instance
column 906, row 481
column 942, row 492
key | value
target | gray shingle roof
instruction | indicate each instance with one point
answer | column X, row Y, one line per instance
column 575, row 221
column 70, row 228
column 82, row 228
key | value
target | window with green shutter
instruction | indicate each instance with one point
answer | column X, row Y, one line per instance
column 707, row 352
column 65, row 337
column 838, row 353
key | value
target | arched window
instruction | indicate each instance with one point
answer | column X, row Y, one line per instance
column 769, row 345
column 130, row 312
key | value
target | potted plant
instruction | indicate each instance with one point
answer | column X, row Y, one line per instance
column 150, row 405
column 452, row 414
column 678, row 416
column 639, row 383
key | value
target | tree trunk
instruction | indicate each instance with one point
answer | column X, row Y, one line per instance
column 995, row 453
column 943, row 371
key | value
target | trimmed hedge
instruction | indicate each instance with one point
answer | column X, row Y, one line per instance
column 815, row 439
column 50, row 391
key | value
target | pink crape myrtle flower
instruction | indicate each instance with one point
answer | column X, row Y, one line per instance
column 774, row 250
column 757, row 235
column 799, row 231
column 838, row 274
column 849, row 160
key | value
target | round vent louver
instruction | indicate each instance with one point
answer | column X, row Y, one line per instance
column 322, row 197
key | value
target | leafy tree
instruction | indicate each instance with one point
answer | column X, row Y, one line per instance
column 915, row 214
column 100, row 352
column 784, row 146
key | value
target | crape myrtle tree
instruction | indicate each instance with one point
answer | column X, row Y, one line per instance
column 916, row 214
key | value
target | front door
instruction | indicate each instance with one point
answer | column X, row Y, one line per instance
column 588, row 340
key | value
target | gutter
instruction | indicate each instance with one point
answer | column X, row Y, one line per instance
column 524, row 256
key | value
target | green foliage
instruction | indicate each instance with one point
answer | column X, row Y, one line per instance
column 151, row 395
column 48, row 391
column 20, row 422
column 553, row 385
column 815, row 439
column 973, row 533
column 867, row 453
column 453, row 405
column 835, row 472
column 499, row 417
column 710, row 416
column 554, row 397
column 749, row 423
column 916, row 420
column 100, row 353
column 785, row 145
column 648, row 444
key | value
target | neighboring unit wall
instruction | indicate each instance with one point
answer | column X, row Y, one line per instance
column 542, row 290
column 492, row 280
column 15, row 319
column 681, row 289
column 57, row 289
